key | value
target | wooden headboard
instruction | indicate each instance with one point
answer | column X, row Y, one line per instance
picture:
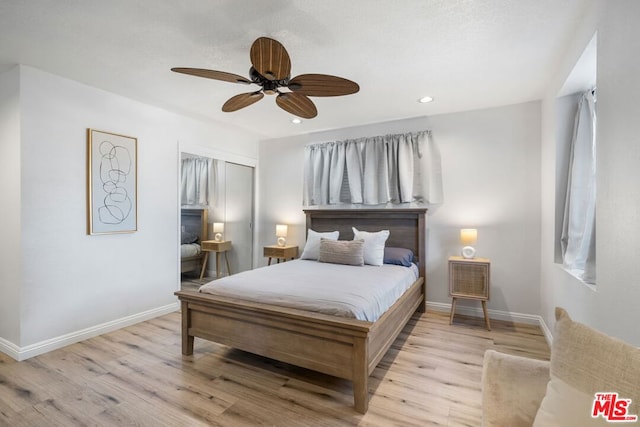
column 407, row 227
column 195, row 221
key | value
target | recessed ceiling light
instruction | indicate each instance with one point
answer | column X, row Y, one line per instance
column 296, row 121
column 425, row 99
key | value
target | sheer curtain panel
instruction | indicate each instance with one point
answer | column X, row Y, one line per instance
column 398, row 168
column 578, row 228
column 196, row 181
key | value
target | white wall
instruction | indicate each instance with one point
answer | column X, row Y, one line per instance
column 73, row 282
column 10, row 260
column 490, row 162
column 613, row 306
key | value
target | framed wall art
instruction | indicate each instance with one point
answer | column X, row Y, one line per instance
column 112, row 183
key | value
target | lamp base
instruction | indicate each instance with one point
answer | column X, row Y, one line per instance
column 468, row 252
column 217, row 237
column 282, row 241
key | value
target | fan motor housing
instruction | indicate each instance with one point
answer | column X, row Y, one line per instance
column 269, row 87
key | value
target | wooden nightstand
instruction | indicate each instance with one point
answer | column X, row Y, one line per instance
column 280, row 252
column 469, row 278
column 218, row 247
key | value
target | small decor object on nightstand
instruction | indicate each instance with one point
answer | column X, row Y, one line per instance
column 468, row 237
column 281, row 234
column 280, row 253
column 469, row 278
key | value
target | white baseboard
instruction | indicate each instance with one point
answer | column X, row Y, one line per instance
column 493, row 314
column 546, row 331
column 23, row 353
column 9, row 348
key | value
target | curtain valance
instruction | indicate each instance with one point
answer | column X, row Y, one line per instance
column 397, row 168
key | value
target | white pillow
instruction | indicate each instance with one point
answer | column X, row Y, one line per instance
column 373, row 245
column 312, row 247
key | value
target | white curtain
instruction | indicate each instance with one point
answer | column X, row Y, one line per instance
column 578, row 228
column 384, row 169
column 197, row 181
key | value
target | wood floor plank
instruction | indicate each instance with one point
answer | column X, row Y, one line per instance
column 138, row 376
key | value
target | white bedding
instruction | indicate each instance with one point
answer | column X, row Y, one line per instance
column 190, row 249
column 361, row 292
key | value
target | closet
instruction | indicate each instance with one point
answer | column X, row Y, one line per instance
column 225, row 190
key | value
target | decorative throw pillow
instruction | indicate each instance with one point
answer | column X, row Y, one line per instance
column 373, row 245
column 398, row 256
column 312, row 247
column 348, row 252
column 585, row 362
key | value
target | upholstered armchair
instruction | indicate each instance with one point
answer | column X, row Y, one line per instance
column 585, row 364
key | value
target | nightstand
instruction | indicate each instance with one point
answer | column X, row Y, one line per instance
column 219, row 247
column 469, row 279
column 280, row 252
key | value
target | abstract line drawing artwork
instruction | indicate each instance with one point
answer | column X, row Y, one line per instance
column 112, row 183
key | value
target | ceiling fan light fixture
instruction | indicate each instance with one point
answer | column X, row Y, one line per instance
column 425, row 100
column 271, row 69
column 296, row 121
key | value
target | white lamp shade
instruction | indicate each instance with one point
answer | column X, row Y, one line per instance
column 468, row 236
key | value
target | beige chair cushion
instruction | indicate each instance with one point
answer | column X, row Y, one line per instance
column 512, row 389
column 585, row 362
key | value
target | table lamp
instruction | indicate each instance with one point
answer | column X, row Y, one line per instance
column 218, row 229
column 281, row 234
column 468, row 238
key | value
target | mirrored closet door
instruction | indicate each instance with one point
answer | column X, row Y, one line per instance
column 222, row 194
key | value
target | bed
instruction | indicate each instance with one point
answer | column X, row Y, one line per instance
column 194, row 231
column 343, row 347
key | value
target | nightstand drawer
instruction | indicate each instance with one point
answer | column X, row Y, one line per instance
column 285, row 252
column 213, row 246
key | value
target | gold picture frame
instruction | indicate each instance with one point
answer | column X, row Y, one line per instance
column 112, row 183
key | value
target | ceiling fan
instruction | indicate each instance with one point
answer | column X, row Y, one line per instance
column 271, row 69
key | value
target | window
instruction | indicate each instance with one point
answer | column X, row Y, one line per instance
column 575, row 203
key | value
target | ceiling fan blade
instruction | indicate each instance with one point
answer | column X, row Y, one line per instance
column 270, row 59
column 213, row 74
column 297, row 104
column 322, row 85
column 240, row 101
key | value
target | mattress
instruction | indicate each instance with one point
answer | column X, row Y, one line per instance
column 189, row 250
column 360, row 292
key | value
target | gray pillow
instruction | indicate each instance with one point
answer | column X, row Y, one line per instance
column 348, row 252
column 398, row 256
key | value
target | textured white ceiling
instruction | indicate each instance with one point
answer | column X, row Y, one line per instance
column 466, row 54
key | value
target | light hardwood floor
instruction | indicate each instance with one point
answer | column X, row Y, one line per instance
column 137, row 376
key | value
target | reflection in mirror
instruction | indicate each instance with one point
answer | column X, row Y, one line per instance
column 216, row 199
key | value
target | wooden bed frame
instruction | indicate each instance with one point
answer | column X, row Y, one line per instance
column 345, row 348
column 194, row 221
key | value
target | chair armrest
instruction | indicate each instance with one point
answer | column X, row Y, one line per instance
column 512, row 389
